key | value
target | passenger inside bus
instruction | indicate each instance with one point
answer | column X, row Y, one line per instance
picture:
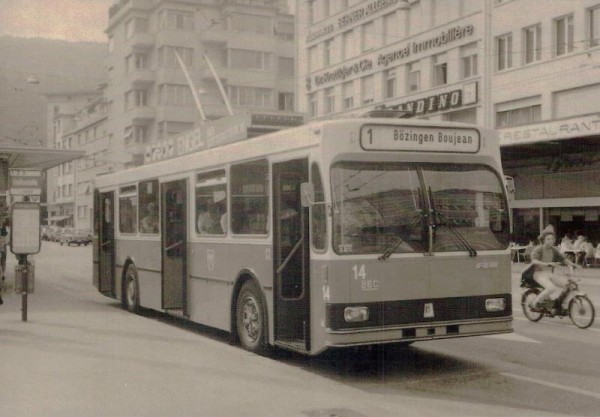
column 149, row 223
column 212, row 217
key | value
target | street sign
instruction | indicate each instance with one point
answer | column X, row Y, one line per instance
column 25, row 228
column 25, row 182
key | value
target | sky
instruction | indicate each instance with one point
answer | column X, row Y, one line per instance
column 71, row 20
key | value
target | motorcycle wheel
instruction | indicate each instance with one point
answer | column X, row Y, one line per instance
column 526, row 299
column 581, row 311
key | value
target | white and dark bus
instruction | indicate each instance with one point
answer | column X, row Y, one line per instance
column 334, row 234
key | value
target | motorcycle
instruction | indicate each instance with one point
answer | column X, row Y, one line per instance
column 571, row 302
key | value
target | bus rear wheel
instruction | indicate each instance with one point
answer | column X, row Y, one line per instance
column 131, row 298
column 250, row 318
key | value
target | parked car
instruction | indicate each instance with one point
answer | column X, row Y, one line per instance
column 80, row 237
column 54, row 233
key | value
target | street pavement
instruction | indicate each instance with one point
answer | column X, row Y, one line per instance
column 80, row 354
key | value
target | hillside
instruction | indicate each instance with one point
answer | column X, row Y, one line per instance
column 59, row 66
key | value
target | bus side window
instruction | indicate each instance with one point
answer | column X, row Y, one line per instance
column 250, row 198
column 318, row 211
column 211, row 203
column 148, row 207
column 128, row 209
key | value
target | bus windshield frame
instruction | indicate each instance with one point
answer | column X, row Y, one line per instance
column 416, row 208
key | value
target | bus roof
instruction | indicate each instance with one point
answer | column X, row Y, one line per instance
column 297, row 138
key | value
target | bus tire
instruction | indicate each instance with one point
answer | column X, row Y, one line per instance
column 250, row 318
column 131, row 293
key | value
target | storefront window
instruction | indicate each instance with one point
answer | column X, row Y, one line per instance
column 526, row 225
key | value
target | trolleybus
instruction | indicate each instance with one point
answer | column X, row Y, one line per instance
column 338, row 233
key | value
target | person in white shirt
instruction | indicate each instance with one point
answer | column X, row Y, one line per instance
column 566, row 244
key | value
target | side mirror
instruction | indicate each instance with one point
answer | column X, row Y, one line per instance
column 307, row 194
column 510, row 187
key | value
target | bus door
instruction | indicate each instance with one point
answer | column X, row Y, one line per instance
column 291, row 255
column 174, row 248
column 106, row 243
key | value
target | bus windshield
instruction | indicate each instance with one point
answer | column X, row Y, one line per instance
column 380, row 207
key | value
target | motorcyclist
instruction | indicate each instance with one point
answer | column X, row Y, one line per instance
column 543, row 260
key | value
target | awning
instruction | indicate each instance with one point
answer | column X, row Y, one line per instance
column 29, row 157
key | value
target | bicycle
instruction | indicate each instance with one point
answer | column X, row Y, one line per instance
column 571, row 302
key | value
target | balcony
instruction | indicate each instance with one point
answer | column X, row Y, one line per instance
column 177, row 113
column 243, row 76
column 140, row 115
column 216, row 36
column 141, row 78
column 174, row 75
column 141, row 40
column 179, row 38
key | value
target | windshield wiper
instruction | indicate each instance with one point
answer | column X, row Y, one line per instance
column 391, row 247
column 459, row 236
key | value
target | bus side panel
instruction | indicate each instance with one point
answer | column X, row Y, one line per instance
column 321, row 287
column 213, row 268
column 146, row 255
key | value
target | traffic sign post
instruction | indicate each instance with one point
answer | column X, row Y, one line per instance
column 24, row 241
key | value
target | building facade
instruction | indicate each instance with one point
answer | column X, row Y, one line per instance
column 70, row 190
column 528, row 70
column 61, row 109
column 250, row 46
column 423, row 55
column 545, row 83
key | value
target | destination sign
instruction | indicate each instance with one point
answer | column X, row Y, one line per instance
column 419, row 138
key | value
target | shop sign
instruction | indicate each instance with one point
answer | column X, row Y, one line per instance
column 341, row 73
column 556, row 130
column 210, row 135
column 387, row 58
column 353, row 16
column 416, row 47
column 25, row 182
column 433, row 104
column 277, row 120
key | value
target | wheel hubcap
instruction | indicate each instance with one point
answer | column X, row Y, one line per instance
column 251, row 319
column 131, row 292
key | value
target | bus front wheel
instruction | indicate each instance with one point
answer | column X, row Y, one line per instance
column 132, row 300
column 250, row 318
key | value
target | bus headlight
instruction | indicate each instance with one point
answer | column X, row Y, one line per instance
column 356, row 314
column 495, row 304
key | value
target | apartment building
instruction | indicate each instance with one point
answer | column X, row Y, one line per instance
column 59, row 195
column 70, row 201
column 545, row 83
column 249, row 43
column 422, row 55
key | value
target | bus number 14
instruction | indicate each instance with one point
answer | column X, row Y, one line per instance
column 365, row 284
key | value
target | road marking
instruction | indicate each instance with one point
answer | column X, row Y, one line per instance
column 553, row 385
column 512, row 337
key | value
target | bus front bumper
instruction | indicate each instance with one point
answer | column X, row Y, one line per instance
column 422, row 331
